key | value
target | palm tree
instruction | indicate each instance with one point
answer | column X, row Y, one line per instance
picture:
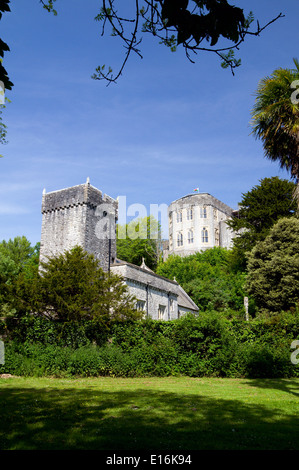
column 276, row 119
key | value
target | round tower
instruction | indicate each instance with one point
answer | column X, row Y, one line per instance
column 196, row 223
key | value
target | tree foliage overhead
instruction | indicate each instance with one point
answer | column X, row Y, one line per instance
column 273, row 268
column 196, row 25
column 6, row 83
column 4, row 7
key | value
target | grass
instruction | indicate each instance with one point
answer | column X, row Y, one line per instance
column 178, row 414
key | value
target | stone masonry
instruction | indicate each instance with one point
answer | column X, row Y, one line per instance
column 80, row 215
column 159, row 297
column 198, row 222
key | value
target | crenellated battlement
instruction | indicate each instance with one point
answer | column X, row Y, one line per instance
column 80, row 215
column 74, row 196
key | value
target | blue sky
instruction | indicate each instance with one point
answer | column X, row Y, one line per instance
column 167, row 126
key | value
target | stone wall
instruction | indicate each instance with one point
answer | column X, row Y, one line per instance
column 80, row 215
column 196, row 223
column 155, row 291
column 158, row 293
column 154, row 299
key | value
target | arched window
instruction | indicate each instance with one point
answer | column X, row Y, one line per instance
column 217, row 241
column 204, row 235
column 203, row 212
column 190, row 213
column 190, row 236
column 161, row 312
column 179, row 216
column 180, row 239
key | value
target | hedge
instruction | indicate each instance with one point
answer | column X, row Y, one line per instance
column 207, row 345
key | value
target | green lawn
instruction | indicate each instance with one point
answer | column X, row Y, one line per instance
column 148, row 414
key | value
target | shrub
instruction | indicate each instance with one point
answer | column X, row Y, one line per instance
column 207, row 345
column 273, row 268
column 264, row 361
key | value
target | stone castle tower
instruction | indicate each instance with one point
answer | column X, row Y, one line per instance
column 198, row 222
column 80, row 215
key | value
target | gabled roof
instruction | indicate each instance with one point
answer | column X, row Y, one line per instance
column 185, row 301
column 146, row 276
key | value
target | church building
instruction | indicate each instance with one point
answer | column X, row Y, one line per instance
column 82, row 215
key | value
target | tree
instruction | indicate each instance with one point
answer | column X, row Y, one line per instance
column 8, row 272
column 73, row 287
column 273, row 268
column 276, row 118
column 139, row 239
column 16, row 256
column 207, row 278
column 5, row 82
column 4, row 7
column 20, row 251
column 259, row 210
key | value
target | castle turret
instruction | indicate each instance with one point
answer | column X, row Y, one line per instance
column 80, row 215
column 198, row 222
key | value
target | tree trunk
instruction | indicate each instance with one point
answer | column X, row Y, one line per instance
column 296, row 196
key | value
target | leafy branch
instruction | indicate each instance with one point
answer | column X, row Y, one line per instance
column 197, row 29
column 49, row 6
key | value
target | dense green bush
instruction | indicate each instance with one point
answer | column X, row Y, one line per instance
column 273, row 268
column 208, row 278
column 207, row 345
column 265, row 361
column 41, row 330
